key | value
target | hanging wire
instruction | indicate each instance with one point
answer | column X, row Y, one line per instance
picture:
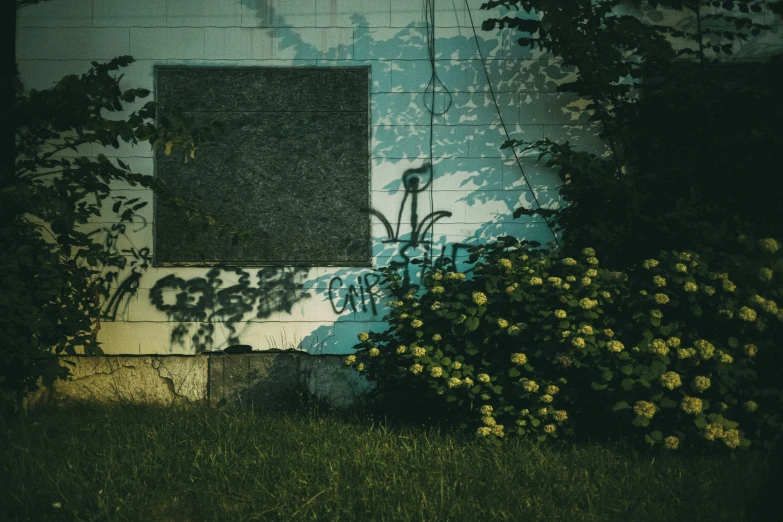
column 503, row 124
column 429, row 92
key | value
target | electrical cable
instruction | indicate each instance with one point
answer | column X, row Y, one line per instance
column 503, row 124
column 429, row 21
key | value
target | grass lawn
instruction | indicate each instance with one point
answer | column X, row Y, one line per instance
column 145, row 463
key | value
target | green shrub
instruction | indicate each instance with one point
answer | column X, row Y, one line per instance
column 539, row 345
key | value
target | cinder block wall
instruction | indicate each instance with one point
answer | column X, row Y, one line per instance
column 477, row 182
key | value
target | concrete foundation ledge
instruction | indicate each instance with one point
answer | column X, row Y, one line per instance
column 262, row 379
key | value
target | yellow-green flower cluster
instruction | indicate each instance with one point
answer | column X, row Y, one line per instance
column 497, row 430
column 586, row 329
column 656, row 314
column 586, row 281
column 731, row 438
column 615, row 346
column 488, row 421
column 418, row 351
column 436, row 371
column 769, row 244
column 770, row 307
column 565, row 361
column 416, row 323
column 650, row 263
column 659, row 281
column 729, row 286
column 690, row 286
column 751, row 406
column 661, row 298
column 685, row 353
column 350, row 360
column 483, row 431
column 588, row 303
column 560, row 415
column 644, row 409
column 454, row 382
column 416, row 368
column 435, row 306
column 519, row 358
column 671, row 442
column 437, row 276
column 554, row 281
column 363, row 336
column 589, row 252
column 437, row 289
column 569, row 261
column 726, row 358
column 560, row 314
column 552, row 389
column 713, row 431
column 705, row 348
column 747, row 314
column 691, row 405
column 549, row 428
column 592, row 260
column 659, row 347
column 360, row 367
column 529, row 385
column 437, row 337
column 536, row 281
column 709, row 290
column 513, row 330
column 456, row 365
column 487, row 409
column 401, row 349
column 750, row 350
column 542, row 411
column 505, row 263
column 483, row 377
column 578, row 342
column 765, row 274
column 546, row 398
column 455, row 275
column 673, row 342
column 479, row 298
column 467, row 381
column 679, row 267
column 591, row 272
column 502, row 323
column 701, row 383
column 374, row 352
column 670, row 380
column 511, row 288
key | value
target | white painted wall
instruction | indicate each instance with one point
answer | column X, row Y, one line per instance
column 477, row 182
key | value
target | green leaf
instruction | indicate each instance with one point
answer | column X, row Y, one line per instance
column 528, row 367
column 700, row 422
column 656, row 435
column 471, row 323
column 607, row 375
column 596, row 386
column 627, row 384
column 451, row 398
column 668, row 403
column 497, row 389
column 622, row 405
column 513, row 372
column 627, row 369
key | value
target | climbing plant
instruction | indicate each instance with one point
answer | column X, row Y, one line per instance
column 692, row 135
column 57, row 267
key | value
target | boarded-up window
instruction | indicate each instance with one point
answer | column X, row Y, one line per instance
column 292, row 164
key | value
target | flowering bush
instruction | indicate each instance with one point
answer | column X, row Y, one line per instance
column 535, row 344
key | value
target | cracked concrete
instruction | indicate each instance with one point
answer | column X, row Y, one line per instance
column 138, row 379
column 264, row 379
